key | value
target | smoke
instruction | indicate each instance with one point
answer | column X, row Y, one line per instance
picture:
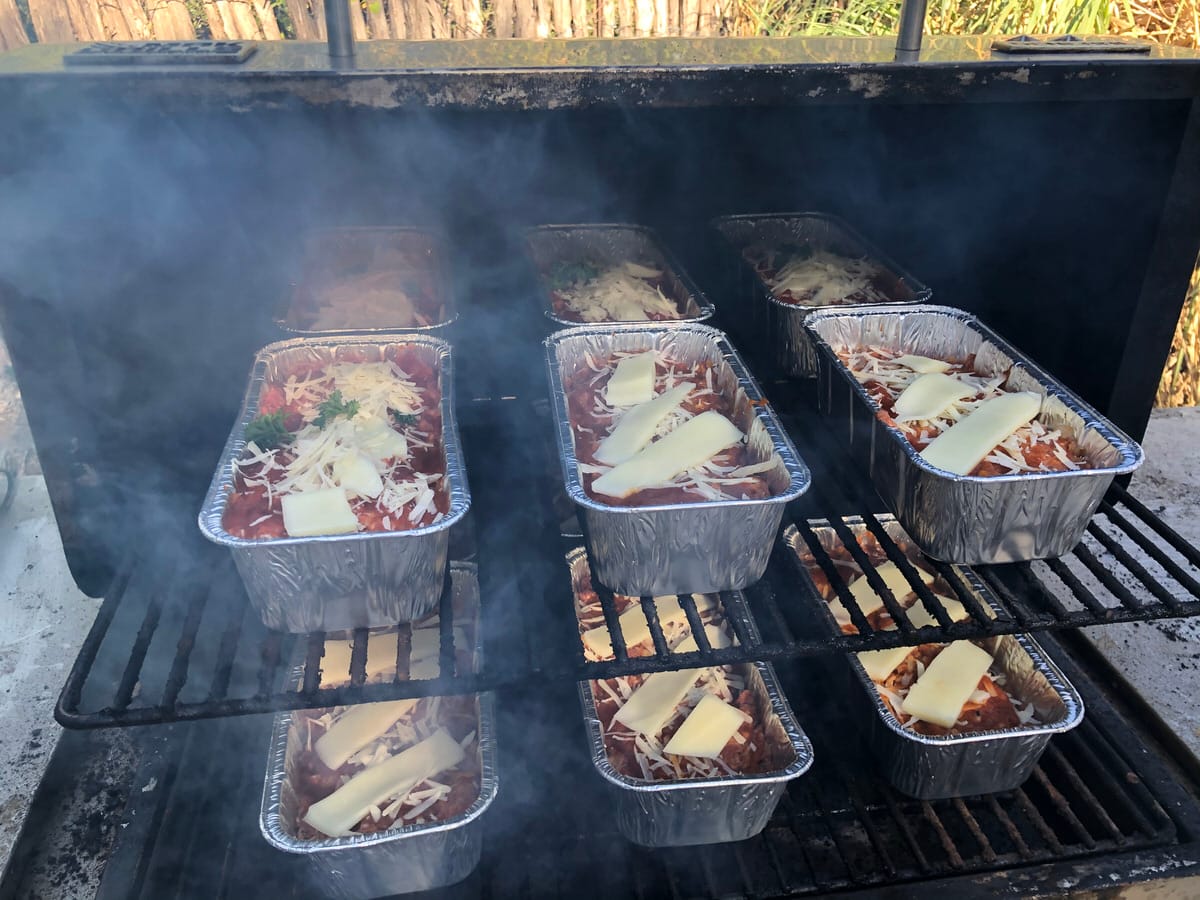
column 146, row 242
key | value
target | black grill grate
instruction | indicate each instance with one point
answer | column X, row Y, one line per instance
column 181, row 643
column 1098, row 799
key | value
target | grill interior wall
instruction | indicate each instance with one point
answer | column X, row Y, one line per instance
column 144, row 246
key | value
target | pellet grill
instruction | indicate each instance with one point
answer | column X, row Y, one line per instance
column 154, row 215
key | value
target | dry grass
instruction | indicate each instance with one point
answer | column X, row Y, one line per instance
column 1180, row 384
column 1171, row 22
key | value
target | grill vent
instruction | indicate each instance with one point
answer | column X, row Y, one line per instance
column 161, row 53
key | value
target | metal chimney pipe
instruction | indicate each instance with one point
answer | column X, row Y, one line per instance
column 912, row 24
column 338, row 29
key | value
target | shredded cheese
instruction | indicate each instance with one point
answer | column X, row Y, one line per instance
column 625, row 293
column 336, row 454
column 888, row 372
column 708, row 481
column 719, row 681
column 825, row 279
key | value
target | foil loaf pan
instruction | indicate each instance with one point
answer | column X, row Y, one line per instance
column 610, row 244
column 968, row 519
column 935, row 767
column 708, row 810
column 779, row 326
column 340, row 581
column 328, row 251
column 707, row 546
column 396, row 861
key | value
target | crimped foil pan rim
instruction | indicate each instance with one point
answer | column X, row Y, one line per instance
column 215, row 501
column 799, row 480
column 271, row 826
column 280, row 316
column 1131, row 453
column 1058, row 681
column 706, row 307
column 799, row 741
column 922, row 292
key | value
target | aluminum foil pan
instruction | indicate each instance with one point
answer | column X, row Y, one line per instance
column 968, row 519
column 779, row 326
column 713, row 545
column 708, row 810
column 934, row 767
column 609, row 245
column 400, row 860
column 955, row 765
column 337, row 582
column 833, row 546
column 329, row 251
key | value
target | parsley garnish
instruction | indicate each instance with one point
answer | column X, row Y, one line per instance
column 404, row 418
column 566, row 274
column 269, row 432
column 333, row 407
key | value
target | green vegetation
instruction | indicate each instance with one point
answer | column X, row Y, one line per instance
column 269, row 431
column 333, row 407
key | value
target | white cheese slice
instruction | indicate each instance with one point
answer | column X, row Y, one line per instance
column 395, row 777
column 717, row 640
column 381, row 658
column 632, row 382
column 922, row 364
column 929, row 395
column 920, row 617
column 962, row 446
column 358, row 475
column 639, row 271
column 634, row 627
column 882, row 663
column 325, row 511
column 707, row 729
column 636, row 428
column 425, row 659
column 693, row 443
column 376, row 438
column 939, row 694
column 651, row 705
column 868, row 600
column 358, row 727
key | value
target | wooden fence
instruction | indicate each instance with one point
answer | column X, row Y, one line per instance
column 61, row 21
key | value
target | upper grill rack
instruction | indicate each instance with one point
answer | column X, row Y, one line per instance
column 181, row 643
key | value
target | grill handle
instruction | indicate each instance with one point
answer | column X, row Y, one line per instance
column 912, row 24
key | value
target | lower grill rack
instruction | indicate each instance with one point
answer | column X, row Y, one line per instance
column 1099, row 803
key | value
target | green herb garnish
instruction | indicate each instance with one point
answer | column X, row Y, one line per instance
column 566, row 274
column 269, row 432
column 404, row 418
column 333, row 407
